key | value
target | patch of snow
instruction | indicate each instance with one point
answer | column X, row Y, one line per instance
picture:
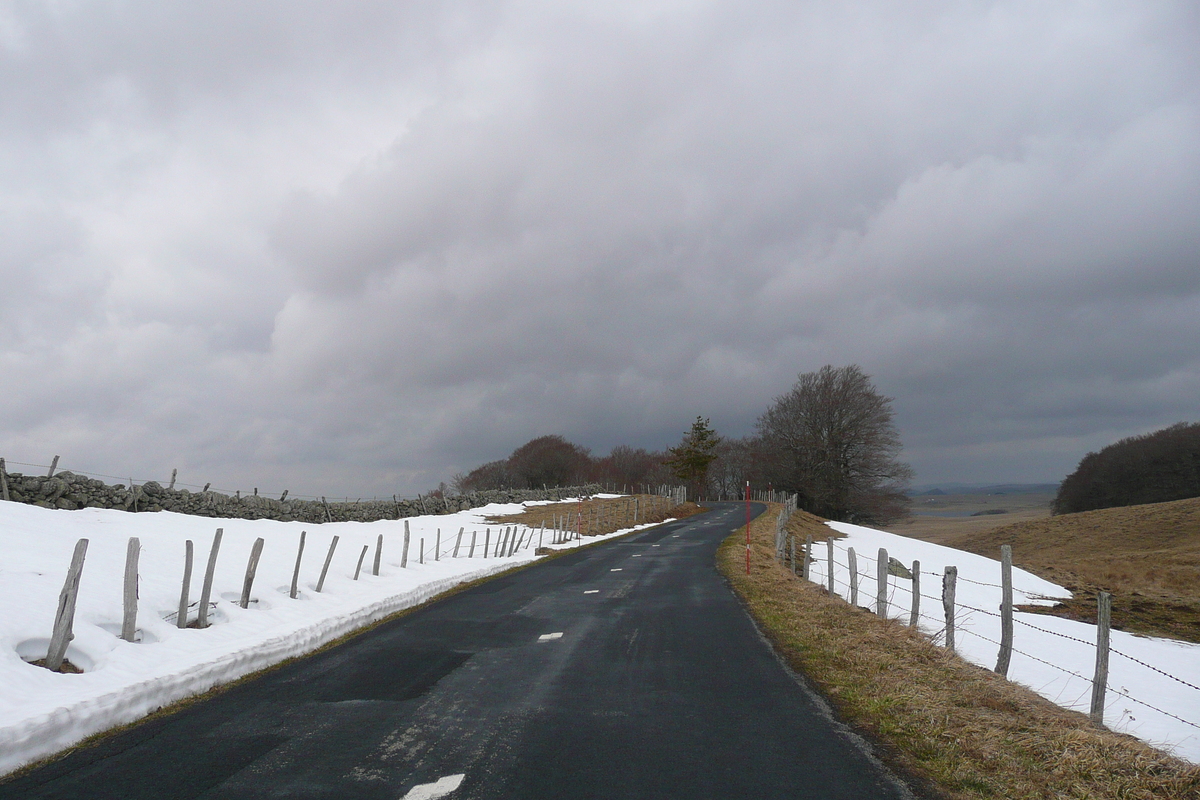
column 42, row 712
column 1058, row 668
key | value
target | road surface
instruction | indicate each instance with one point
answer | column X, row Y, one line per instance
column 626, row 670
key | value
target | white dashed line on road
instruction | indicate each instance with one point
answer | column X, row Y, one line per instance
column 591, row 591
column 549, row 637
column 439, row 788
column 617, row 569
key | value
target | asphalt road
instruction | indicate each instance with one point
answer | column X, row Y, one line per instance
column 626, row 670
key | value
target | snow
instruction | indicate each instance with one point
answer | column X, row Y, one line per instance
column 42, row 712
column 1060, row 669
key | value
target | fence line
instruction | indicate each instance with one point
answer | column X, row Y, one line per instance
column 899, row 584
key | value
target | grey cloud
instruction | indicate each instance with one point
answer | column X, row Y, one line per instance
column 358, row 250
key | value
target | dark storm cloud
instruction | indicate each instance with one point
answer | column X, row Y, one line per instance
column 359, row 250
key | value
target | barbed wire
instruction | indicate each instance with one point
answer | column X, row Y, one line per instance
column 896, row 584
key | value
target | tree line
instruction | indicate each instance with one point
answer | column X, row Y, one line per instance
column 831, row 440
column 1152, row 468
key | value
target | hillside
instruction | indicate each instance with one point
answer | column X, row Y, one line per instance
column 1148, row 556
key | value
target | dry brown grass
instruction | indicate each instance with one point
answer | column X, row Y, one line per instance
column 1148, row 556
column 958, row 729
column 601, row 515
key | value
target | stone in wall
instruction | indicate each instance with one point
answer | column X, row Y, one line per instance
column 70, row 491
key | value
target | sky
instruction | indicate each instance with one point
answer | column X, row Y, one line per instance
column 355, row 249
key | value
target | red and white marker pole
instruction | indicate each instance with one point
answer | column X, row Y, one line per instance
column 747, row 527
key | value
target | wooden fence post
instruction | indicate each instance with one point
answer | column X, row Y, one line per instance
column 541, row 532
column 206, row 588
column 437, row 546
column 296, row 571
column 792, row 539
column 852, row 562
column 421, row 556
column 174, row 474
column 829, row 565
column 54, row 466
column 251, row 569
column 881, row 579
column 949, row 587
column 1006, row 611
column 64, row 617
column 361, row 557
column 129, row 620
column 404, row 552
column 471, row 552
column 379, row 549
column 487, row 537
column 3, row 482
column 325, row 568
column 181, row 617
column 804, row 568
column 914, row 613
column 458, row 542
column 1100, row 680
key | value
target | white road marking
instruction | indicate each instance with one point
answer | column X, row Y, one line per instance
column 549, row 637
column 656, row 545
column 637, row 555
column 591, row 591
column 439, row 788
column 618, row 569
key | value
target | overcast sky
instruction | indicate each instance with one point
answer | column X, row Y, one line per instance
column 357, row 248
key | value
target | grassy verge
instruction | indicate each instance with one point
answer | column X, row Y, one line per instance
column 958, row 729
column 601, row 515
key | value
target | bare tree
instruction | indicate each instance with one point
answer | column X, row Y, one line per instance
column 831, row 439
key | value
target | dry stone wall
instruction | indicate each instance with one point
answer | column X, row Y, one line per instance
column 68, row 490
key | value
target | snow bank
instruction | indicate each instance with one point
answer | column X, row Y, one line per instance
column 42, row 712
column 1057, row 661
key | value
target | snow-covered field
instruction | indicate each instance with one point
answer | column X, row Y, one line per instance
column 1046, row 659
column 42, row 712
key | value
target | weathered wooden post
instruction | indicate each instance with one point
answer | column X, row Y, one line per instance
column 181, row 617
column 64, row 617
column 805, row 567
column 379, row 549
column 852, row 563
column 3, row 483
column 914, row 613
column 404, row 552
column 251, row 568
column 881, row 577
column 458, row 542
column 361, row 557
column 206, row 588
column 421, row 555
column 129, row 620
column 296, row 571
column 829, row 565
column 325, row 568
column 471, row 552
column 541, row 533
column 1006, row 611
column 1100, row 680
column 54, row 466
column 437, row 546
column 174, row 474
column 949, row 587
column 487, row 537
column 501, row 543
